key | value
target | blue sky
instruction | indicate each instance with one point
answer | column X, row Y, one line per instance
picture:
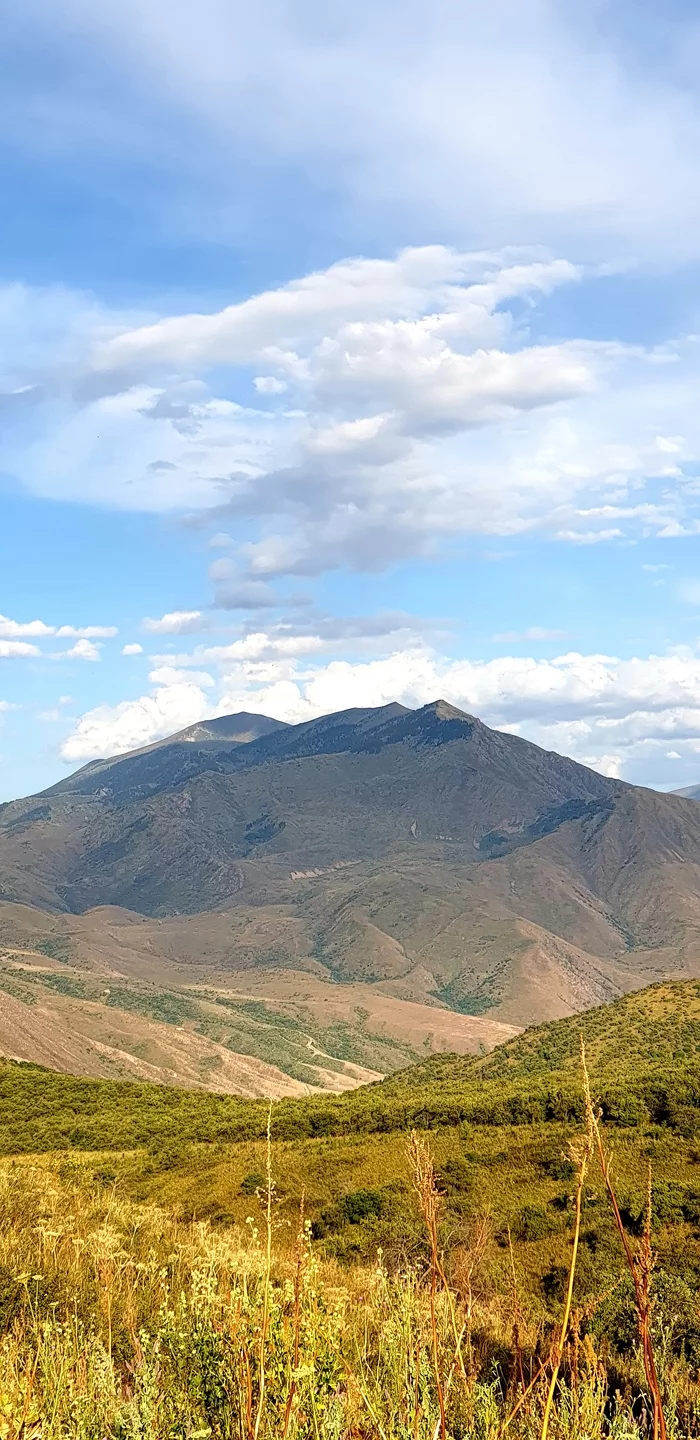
column 350, row 353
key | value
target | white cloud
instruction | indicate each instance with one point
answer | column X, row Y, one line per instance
column 479, row 117
column 86, row 632
column 357, row 292
column 13, row 629
column 419, row 409
column 82, row 650
column 269, row 385
column 169, row 675
column 134, row 649
column 176, row 622
column 17, row 649
column 111, row 729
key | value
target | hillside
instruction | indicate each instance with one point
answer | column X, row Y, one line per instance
column 135, row 1221
column 411, row 877
column 92, row 997
column 644, row 1053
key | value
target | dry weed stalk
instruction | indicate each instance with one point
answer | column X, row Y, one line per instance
column 429, row 1200
column 469, row 1261
column 516, row 1314
column 580, row 1154
column 641, row 1264
column 269, row 1198
column 299, row 1260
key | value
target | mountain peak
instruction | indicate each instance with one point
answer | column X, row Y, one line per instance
column 443, row 710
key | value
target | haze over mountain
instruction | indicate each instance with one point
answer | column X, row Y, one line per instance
column 417, row 856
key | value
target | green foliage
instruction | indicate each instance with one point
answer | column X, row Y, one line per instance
column 252, row 1182
column 168, row 1007
column 56, row 947
column 533, row 1223
column 533, row 1080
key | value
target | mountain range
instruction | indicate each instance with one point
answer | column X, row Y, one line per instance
column 389, row 880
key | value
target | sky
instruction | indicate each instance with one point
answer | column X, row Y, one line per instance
column 350, row 353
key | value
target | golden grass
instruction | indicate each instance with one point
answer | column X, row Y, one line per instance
column 121, row 1321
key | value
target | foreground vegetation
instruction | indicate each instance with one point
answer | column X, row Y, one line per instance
column 494, row 1274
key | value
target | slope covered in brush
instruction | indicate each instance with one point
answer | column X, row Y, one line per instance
column 644, row 1071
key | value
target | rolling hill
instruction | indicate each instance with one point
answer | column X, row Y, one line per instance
column 643, row 1053
column 111, row 1189
column 389, row 882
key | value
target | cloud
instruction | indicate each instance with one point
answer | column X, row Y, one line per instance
column 134, row 649
column 168, row 675
column 176, row 622
column 534, row 632
column 13, row 629
column 112, row 729
column 17, row 649
column 269, row 385
column 689, row 592
column 479, row 118
column 82, row 650
column 241, row 593
column 86, row 632
column 313, row 633
column 420, row 407
column 350, row 293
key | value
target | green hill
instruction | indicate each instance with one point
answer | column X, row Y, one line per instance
column 643, row 1053
column 499, row 1128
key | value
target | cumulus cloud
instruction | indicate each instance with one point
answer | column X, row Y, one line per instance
column 17, row 649
column 111, row 729
column 13, row 629
column 176, row 622
column 133, row 649
column 350, row 292
column 82, row 650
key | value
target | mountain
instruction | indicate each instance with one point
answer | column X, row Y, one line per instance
column 185, row 826
column 416, row 854
column 690, row 792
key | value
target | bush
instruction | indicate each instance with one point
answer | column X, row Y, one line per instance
column 533, row 1223
column 252, row 1182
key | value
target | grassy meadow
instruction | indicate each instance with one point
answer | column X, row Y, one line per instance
column 521, row 1263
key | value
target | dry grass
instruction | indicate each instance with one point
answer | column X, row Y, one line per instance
column 120, row 1322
